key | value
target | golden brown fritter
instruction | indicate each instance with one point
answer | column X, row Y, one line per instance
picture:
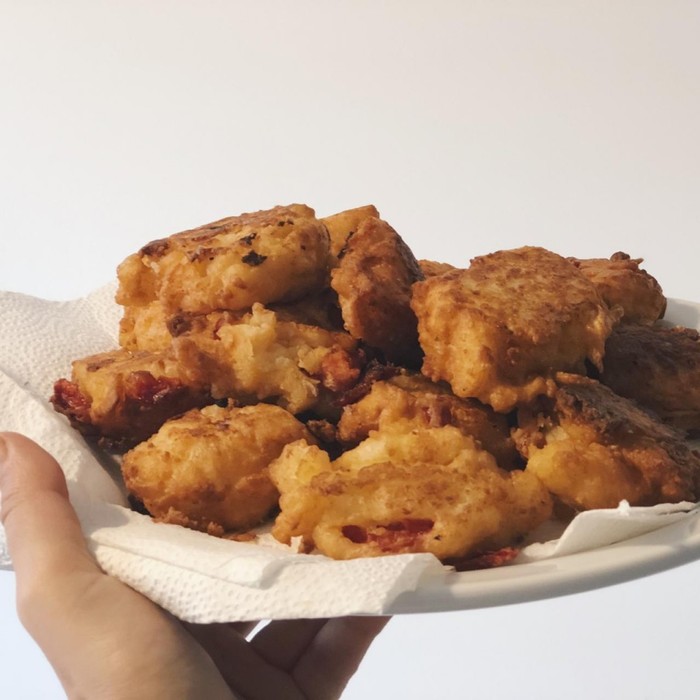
column 344, row 224
column 208, row 469
column 124, row 397
column 659, row 367
column 422, row 490
column 277, row 255
column 373, row 280
column 500, row 329
column 621, row 282
column 257, row 357
column 432, row 268
column 416, row 402
column 592, row 449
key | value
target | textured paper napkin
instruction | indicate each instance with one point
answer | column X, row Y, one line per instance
column 197, row 577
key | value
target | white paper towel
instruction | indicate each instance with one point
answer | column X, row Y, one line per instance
column 197, row 577
column 598, row 528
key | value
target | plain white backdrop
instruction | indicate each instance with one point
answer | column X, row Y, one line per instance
column 472, row 126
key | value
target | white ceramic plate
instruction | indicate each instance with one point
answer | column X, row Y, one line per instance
column 648, row 554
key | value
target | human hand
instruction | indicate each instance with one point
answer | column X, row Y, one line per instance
column 106, row 640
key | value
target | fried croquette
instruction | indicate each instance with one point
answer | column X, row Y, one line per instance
column 659, row 367
column 423, row 490
column 593, row 449
column 277, row 255
column 124, row 397
column 415, row 401
column 344, row 224
column 373, row 280
column 622, row 282
column 500, row 329
column 256, row 357
column 207, row 470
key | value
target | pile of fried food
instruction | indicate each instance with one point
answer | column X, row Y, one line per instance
column 279, row 366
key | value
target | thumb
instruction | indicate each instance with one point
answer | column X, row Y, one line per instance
column 43, row 534
column 42, row 529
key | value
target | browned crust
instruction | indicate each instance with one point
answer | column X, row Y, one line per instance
column 208, row 469
column 432, row 268
column 280, row 254
column 622, row 282
column 416, row 399
column 499, row 330
column 373, row 280
column 659, row 367
column 140, row 399
column 344, row 224
column 656, row 451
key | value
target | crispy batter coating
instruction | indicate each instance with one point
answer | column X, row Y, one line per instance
column 138, row 282
column 207, row 470
column 432, row 268
column 422, row 490
column 124, row 397
column 267, row 256
column 373, row 280
column 499, row 330
column 415, row 401
column 321, row 309
column 344, row 224
column 257, row 357
column 145, row 328
column 150, row 328
column 621, row 282
column 592, row 449
column 659, row 367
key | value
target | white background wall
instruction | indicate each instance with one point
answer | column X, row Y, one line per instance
column 472, row 126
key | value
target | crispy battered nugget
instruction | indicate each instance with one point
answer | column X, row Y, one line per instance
column 621, row 282
column 592, row 449
column 207, row 470
column 373, row 280
column 258, row 357
column 416, row 401
column 659, row 367
column 500, row 329
column 432, row 268
column 424, row 490
column 267, row 256
column 124, row 397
